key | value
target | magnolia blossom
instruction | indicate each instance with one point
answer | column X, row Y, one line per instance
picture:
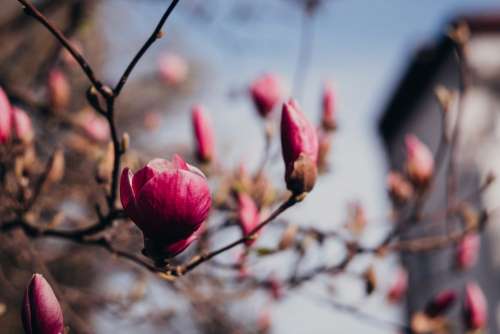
column 266, row 93
column 399, row 188
column 468, row 250
column 203, row 133
column 248, row 216
column 475, row 307
column 399, row 286
column 328, row 119
column 419, row 161
column 168, row 201
column 173, row 69
column 23, row 129
column 41, row 312
column 59, row 90
column 5, row 117
column 299, row 143
column 95, row 126
column 441, row 303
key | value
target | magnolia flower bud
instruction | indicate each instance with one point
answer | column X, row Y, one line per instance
column 266, row 93
column 467, row 251
column 248, row 216
column 475, row 307
column 41, row 312
column 324, row 146
column 173, row 69
column 5, row 117
column 399, row 286
column 441, row 303
column 168, row 201
column 299, row 143
column 23, row 129
column 59, row 90
column 419, row 161
column 328, row 121
column 55, row 172
column 95, row 127
column 399, row 189
column 275, row 287
column 204, row 134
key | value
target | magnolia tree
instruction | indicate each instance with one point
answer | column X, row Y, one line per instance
column 181, row 207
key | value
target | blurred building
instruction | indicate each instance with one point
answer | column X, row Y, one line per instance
column 413, row 108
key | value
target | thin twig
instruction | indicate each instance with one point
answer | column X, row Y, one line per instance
column 154, row 36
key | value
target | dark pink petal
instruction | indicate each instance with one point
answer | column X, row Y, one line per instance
column 204, row 134
column 441, row 303
column 5, row 117
column 23, row 128
column 266, row 93
column 179, row 246
column 298, row 135
column 127, row 195
column 468, row 251
column 419, row 160
column 41, row 312
column 173, row 204
column 153, row 168
column 475, row 307
column 399, row 286
column 248, row 216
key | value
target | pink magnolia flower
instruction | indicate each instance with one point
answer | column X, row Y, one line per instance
column 203, row 133
column 299, row 143
column 328, row 119
column 96, row 127
column 167, row 200
column 475, row 307
column 275, row 287
column 399, row 188
column 23, row 129
column 441, row 303
column 41, row 312
column 248, row 216
column 399, row 286
column 468, row 250
column 5, row 117
column 59, row 90
column 419, row 160
column 266, row 93
column 173, row 69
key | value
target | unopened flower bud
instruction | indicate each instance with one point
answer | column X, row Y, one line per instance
column 467, row 251
column 125, row 143
column 5, row 117
column 173, row 69
column 59, row 90
column 41, row 312
column 441, row 303
column 168, row 201
column 95, row 127
column 288, row 236
column 475, row 307
column 419, row 161
column 266, row 93
column 328, row 119
column 23, row 129
column 445, row 97
column 399, row 189
column 248, row 216
column 275, row 287
column 299, row 143
column 56, row 167
column 203, row 133
column 399, row 286
column 370, row 279
column 324, row 146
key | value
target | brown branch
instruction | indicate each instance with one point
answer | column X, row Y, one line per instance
column 35, row 13
column 154, row 36
column 197, row 260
